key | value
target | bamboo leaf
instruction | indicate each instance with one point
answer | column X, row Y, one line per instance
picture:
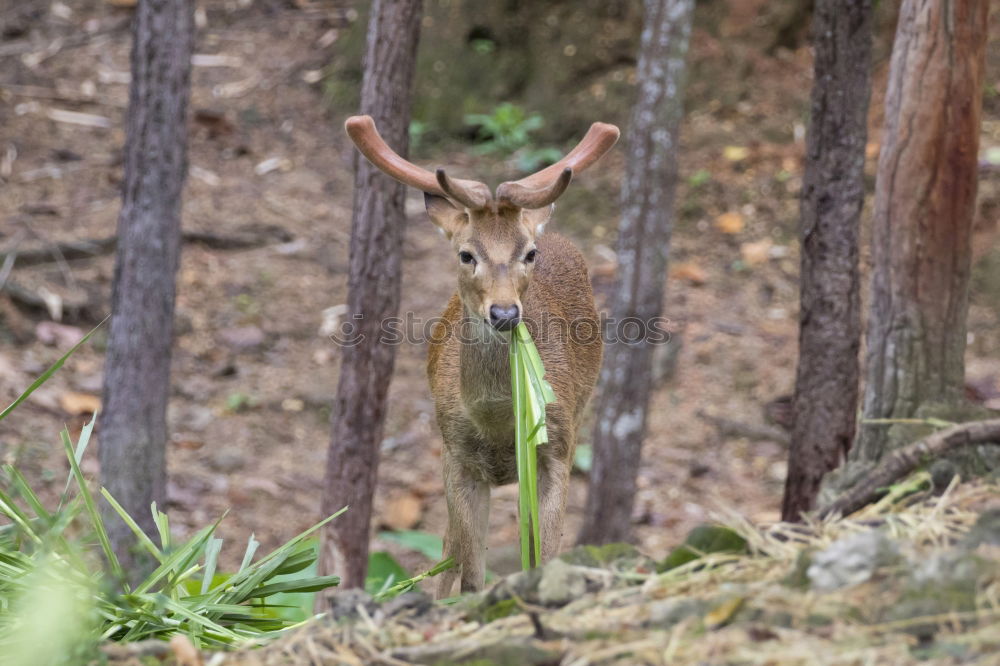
column 91, row 508
column 48, row 373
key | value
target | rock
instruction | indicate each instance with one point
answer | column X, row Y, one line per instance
column 416, row 602
column 560, row 584
column 189, row 417
column 344, row 603
column 615, row 556
column 851, row 560
column 942, row 472
column 242, row 338
column 227, row 459
column 943, row 584
column 665, row 614
column 59, row 335
column 985, row 531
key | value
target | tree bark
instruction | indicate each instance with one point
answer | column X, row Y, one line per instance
column 833, row 193
column 924, row 206
column 377, row 231
column 133, row 433
column 643, row 247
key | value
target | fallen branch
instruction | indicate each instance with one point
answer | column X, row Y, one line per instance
column 730, row 428
column 85, row 249
column 897, row 465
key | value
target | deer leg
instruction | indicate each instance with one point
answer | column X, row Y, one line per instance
column 553, row 486
column 465, row 538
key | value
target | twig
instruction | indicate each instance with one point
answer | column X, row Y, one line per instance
column 87, row 249
column 730, row 428
column 77, row 39
column 76, row 310
column 900, row 463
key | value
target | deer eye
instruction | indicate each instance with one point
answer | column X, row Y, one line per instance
column 530, row 257
column 466, row 258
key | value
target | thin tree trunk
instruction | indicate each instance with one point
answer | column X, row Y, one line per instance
column 643, row 247
column 924, row 205
column 833, row 193
column 133, row 433
column 377, row 230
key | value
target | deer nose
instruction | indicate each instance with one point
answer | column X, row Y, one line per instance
column 504, row 317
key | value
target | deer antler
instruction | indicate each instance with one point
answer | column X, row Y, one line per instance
column 543, row 187
column 469, row 193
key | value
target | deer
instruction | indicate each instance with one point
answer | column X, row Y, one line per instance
column 509, row 271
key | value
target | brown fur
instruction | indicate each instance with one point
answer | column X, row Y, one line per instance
column 471, row 380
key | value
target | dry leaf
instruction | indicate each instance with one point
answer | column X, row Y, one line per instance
column 403, row 512
column 723, row 613
column 79, row 403
column 730, row 223
column 735, row 153
column 757, row 253
column 184, row 651
column 689, row 271
column 60, row 335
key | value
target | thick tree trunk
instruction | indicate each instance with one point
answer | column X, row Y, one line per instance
column 643, row 247
column 826, row 385
column 133, row 433
column 377, row 231
column 924, row 205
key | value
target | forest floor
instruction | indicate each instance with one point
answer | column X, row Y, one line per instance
column 254, row 372
column 911, row 579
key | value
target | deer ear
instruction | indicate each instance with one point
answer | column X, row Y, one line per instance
column 448, row 217
column 536, row 218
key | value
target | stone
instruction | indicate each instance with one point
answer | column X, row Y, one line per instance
column 560, row 583
column 851, row 560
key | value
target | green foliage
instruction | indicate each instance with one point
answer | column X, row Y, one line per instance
column 182, row 595
column 383, row 572
column 427, row 544
column 507, row 131
column 238, row 402
column 699, row 178
column 59, row 574
column 701, row 541
column 389, row 590
column 583, row 458
column 530, row 395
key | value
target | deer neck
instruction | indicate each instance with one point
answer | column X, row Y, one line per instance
column 485, row 371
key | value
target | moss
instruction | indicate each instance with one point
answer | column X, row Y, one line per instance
column 499, row 610
column 798, row 577
column 596, row 556
column 703, row 540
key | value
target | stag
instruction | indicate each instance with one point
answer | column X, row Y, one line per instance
column 508, row 272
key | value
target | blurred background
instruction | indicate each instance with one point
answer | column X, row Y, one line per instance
column 501, row 89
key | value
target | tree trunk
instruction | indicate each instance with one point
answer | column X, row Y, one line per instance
column 643, row 247
column 924, row 205
column 133, row 433
column 377, row 231
column 833, row 193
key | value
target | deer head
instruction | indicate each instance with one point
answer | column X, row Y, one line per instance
column 493, row 236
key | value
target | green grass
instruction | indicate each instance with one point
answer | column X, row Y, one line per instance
column 70, row 548
column 63, row 589
column 530, row 394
